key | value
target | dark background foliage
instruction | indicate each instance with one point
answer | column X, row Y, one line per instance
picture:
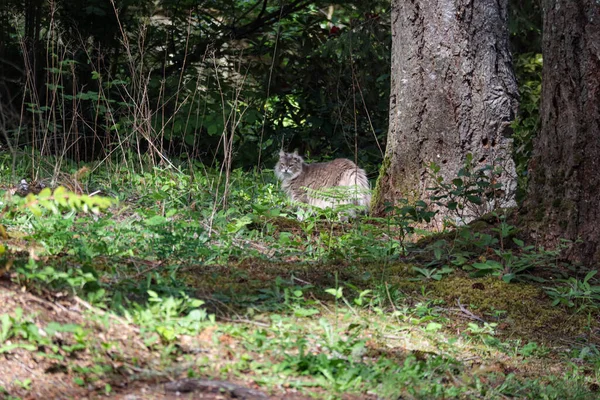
column 89, row 78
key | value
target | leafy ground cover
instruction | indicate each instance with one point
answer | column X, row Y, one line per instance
column 180, row 286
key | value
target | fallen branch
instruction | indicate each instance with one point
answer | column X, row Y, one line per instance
column 204, row 385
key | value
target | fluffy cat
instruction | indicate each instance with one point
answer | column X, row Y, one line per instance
column 324, row 184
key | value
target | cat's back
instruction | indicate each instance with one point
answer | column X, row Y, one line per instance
column 329, row 173
column 339, row 164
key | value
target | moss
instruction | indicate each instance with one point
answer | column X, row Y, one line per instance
column 399, row 270
column 528, row 310
column 377, row 193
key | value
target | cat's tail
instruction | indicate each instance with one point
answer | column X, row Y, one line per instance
column 357, row 177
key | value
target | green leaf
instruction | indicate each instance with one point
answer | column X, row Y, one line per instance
column 489, row 264
column 305, row 312
column 212, row 129
column 474, row 199
column 433, row 327
column 589, row 275
column 13, row 346
column 452, row 205
column 155, row 220
column 337, row 293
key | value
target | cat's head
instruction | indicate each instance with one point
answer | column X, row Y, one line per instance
column 289, row 165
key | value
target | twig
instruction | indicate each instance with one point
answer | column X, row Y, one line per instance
column 469, row 313
column 247, row 321
column 301, row 280
column 98, row 311
column 56, row 307
column 144, row 272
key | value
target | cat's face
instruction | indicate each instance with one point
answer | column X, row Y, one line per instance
column 289, row 165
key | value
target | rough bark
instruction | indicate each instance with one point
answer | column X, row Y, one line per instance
column 453, row 92
column 564, row 191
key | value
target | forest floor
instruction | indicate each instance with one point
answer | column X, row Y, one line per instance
column 168, row 294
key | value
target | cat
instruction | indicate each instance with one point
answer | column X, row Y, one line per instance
column 325, row 184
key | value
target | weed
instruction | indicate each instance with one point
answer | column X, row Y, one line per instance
column 29, row 337
column 25, row 384
column 472, row 194
column 73, row 278
column 576, row 293
column 162, row 317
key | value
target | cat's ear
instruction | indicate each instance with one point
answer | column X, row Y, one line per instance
column 281, row 153
column 297, row 157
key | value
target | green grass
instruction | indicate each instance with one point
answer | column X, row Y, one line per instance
column 172, row 281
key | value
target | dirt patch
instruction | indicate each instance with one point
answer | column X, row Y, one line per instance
column 116, row 370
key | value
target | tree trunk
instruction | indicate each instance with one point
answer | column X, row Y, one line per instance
column 564, row 190
column 453, row 92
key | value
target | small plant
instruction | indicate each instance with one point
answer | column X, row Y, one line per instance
column 17, row 327
column 484, row 332
column 167, row 318
column 473, row 193
column 433, row 273
column 59, row 200
column 533, row 349
column 18, row 332
column 25, row 384
column 73, row 278
column 582, row 294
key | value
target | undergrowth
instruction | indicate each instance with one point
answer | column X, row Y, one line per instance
column 234, row 282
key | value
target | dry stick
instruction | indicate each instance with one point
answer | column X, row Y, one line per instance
column 185, row 52
column 214, row 300
column 56, row 307
column 228, row 145
column 387, row 290
column 67, row 133
column 122, row 321
column 354, row 114
column 468, row 313
column 354, row 82
column 198, row 108
column 144, row 272
column 29, row 82
column 187, row 122
column 142, row 106
column 247, row 321
column 262, row 131
column 59, row 308
column 227, row 142
column 223, row 139
column 101, row 312
column 301, row 281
